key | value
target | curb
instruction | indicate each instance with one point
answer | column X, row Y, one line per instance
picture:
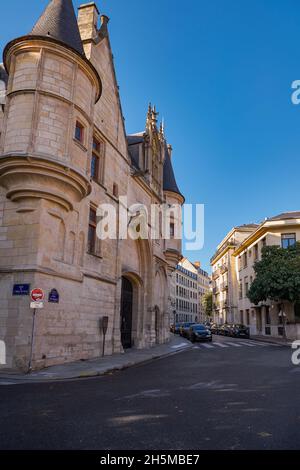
column 270, row 341
column 14, row 380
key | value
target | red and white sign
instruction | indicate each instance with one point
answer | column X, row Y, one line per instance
column 37, row 295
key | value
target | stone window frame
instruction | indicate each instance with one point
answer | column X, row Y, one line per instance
column 79, row 125
column 100, row 155
column 92, row 224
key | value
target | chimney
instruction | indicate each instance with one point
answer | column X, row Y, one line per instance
column 88, row 15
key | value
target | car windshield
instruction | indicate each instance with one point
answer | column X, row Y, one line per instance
column 199, row 327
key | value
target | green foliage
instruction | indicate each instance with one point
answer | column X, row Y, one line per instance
column 207, row 303
column 277, row 275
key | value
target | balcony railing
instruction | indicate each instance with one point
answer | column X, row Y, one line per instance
column 229, row 243
column 223, row 269
column 216, row 274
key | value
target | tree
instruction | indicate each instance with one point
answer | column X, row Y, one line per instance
column 207, row 303
column 277, row 275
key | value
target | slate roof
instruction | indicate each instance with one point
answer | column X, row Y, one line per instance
column 59, row 21
column 286, row 216
column 3, row 83
column 169, row 181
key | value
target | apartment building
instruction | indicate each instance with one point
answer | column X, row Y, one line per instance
column 204, row 286
column 268, row 317
column 185, row 281
column 224, row 279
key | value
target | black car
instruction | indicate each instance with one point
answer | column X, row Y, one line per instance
column 240, row 331
column 184, row 328
column 225, row 330
column 199, row 333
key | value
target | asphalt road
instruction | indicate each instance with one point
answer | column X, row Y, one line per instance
column 233, row 396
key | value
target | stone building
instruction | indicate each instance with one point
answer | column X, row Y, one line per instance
column 185, row 292
column 204, row 287
column 63, row 151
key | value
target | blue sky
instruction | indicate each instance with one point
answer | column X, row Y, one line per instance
column 220, row 73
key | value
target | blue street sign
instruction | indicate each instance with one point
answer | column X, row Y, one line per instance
column 53, row 296
column 21, row 289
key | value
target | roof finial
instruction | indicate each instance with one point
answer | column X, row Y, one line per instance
column 162, row 127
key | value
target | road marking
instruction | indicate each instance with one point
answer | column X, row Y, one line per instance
column 208, row 346
column 244, row 343
column 221, row 345
column 235, row 344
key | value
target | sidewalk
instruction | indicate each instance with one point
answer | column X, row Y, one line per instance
column 96, row 367
column 272, row 340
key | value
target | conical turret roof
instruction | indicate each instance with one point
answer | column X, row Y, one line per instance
column 59, row 21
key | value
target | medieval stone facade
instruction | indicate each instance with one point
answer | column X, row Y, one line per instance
column 64, row 151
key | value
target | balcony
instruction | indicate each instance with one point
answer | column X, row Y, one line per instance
column 224, row 304
column 229, row 244
column 223, row 269
column 216, row 274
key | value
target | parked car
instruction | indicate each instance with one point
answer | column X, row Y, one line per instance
column 240, row 331
column 214, row 328
column 199, row 333
column 225, row 329
column 175, row 328
column 184, row 329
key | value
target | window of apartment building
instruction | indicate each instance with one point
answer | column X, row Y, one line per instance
column 79, row 132
column 256, row 252
column 246, row 286
column 248, row 317
column 245, row 260
column 288, row 239
column 92, row 232
column 242, row 317
column 240, row 290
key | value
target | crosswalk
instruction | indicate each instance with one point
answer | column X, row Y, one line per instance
column 233, row 344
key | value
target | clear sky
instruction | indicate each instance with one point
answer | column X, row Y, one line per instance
column 220, row 72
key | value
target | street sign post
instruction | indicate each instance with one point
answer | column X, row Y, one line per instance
column 37, row 297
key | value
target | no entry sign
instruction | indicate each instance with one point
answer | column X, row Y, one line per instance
column 37, row 295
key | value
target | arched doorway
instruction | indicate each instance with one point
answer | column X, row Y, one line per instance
column 126, row 313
